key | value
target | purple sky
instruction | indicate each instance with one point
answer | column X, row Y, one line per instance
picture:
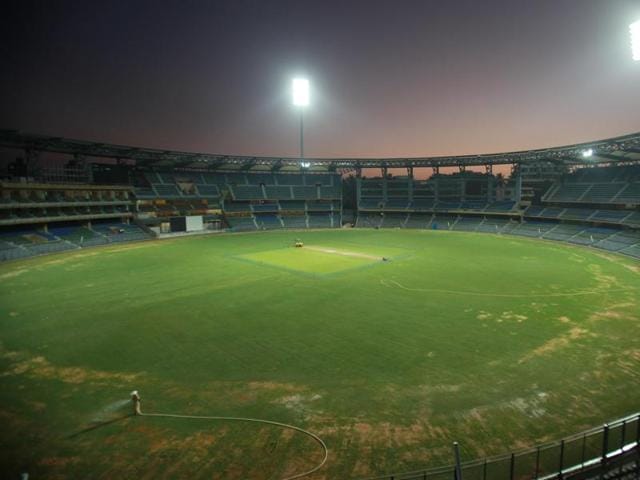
column 392, row 78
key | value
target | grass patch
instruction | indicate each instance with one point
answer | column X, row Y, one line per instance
column 388, row 361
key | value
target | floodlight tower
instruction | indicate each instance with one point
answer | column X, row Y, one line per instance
column 300, row 98
column 634, row 29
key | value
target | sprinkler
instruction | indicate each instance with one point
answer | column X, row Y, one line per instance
column 135, row 398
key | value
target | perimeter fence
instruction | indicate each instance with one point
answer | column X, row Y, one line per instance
column 589, row 449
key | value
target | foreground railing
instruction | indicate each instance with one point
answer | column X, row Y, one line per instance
column 585, row 450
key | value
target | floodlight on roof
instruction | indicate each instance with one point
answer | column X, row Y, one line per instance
column 300, row 92
column 305, row 164
column 587, row 153
column 634, row 28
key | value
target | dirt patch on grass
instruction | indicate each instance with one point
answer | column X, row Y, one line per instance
column 274, row 386
column 297, row 402
column 13, row 274
column 60, row 462
column 40, row 367
column 557, row 343
column 611, row 312
column 384, row 434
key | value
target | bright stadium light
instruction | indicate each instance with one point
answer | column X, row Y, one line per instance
column 300, row 97
column 300, row 91
column 634, row 28
column 587, row 153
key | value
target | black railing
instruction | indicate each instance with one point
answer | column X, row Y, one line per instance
column 589, row 449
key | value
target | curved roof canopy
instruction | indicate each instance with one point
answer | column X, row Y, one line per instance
column 619, row 149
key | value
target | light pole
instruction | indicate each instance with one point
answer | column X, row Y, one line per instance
column 300, row 98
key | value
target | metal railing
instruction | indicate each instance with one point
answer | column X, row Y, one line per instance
column 588, row 449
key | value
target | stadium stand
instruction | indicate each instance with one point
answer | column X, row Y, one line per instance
column 593, row 206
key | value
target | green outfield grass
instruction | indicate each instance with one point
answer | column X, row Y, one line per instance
column 496, row 342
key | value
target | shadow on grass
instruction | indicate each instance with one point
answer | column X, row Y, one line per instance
column 97, row 425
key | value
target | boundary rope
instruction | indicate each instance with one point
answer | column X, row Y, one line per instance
column 391, row 283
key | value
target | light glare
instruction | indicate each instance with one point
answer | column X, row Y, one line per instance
column 634, row 28
column 587, row 153
column 300, row 90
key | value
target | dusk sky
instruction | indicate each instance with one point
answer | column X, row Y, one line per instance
column 396, row 78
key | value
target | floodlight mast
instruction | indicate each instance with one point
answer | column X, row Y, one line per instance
column 634, row 29
column 300, row 97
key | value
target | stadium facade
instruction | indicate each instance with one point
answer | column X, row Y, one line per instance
column 61, row 194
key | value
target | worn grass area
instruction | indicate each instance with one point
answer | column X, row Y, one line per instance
column 495, row 342
column 320, row 259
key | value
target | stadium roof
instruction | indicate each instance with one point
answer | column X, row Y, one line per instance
column 613, row 150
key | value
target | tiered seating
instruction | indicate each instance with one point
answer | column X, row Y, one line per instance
column 397, row 203
column 265, row 207
column 11, row 251
column 319, row 206
column 268, row 221
column 418, row 220
column 247, row 192
column 603, row 185
column 368, row 220
column 551, row 212
column 445, row 206
column 534, row 211
column 630, row 195
column 633, row 250
column 590, row 236
column 208, row 191
column 371, row 202
column 305, row 192
column 612, row 216
column 603, row 192
column 289, row 179
column 294, row 221
column 632, row 220
column 51, row 247
column 501, row 206
column 330, row 192
column 394, row 220
column 260, row 178
column 532, row 228
column 293, row 205
column 422, row 204
column 278, row 192
column 167, row 191
column 320, row 220
column 320, row 179
column 576, row 213
column 620, row 241
column 468, row 224
column 474, row 205
column 213, row 179
column 563, row 232
column 165, row 177
column 241, row 223
column 492, row 225
column 81, row 236
column 120, row 232
column 443, row 222
column 236, row 179
column 569, row 192
column 237, row 207
column 145, row 192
